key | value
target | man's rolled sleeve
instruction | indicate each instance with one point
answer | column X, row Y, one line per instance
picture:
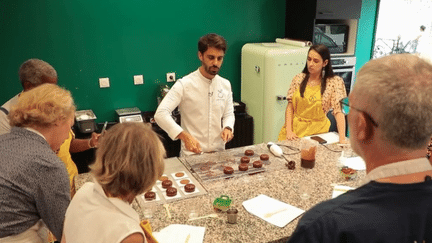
column 228, row 118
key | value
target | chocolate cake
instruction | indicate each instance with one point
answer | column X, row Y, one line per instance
column 257, row 164
column 228, row 170
column 243, row 167
column 249, row 152
column 150, row 196
column 189, row 188
column 166, row 183
column 264, row 157
column 171, row 191
column 244, row 159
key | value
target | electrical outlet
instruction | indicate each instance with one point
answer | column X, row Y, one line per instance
column 171, row 77
column 104, row 82
column 138, row 79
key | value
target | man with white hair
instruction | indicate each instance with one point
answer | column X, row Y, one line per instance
column 390, row 120
column 32, row 73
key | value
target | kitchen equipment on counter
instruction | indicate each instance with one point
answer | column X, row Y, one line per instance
column 222, row 203
column 129, row 115
column 85, row 121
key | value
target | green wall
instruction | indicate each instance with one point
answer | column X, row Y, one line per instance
column 88, row 39
column 366, row 32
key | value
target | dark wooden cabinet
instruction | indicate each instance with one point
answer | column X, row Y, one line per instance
column 301, row 16
column 338, row 9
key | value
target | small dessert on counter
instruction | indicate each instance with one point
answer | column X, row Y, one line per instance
column 244, row 159
column 228, row 170
column 348, row 173
column 163, row 178
column 264, row 157
column 257, row 164
column 166, row 183
column 243, row 167
column 150, row 196
column 190, row 188
column 179, row 174
column 171, row 191
column 184, row 182
column 290, row 165
column 249, row 152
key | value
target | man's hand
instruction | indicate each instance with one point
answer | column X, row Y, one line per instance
column 227, row 135
column 190, row 142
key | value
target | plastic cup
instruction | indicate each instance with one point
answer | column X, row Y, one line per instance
column 308, row 149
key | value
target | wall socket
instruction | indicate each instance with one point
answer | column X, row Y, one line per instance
column 138, row 79
column 171, row 77
column 104, row 82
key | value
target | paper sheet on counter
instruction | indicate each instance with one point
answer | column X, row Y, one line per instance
column 180, row 233
column 356, row 163
column 339, row 190
column 281, row 213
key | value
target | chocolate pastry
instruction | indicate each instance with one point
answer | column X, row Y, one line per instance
column 291, row 165
column 166, row 183
column 243, row 167
column 190, row 188
column 171, row 191
column 244, row 159
column 249, row 152
column 228, row 170
column 257, row 164
column 150, row 196
column 264, row 157
column 179, row 174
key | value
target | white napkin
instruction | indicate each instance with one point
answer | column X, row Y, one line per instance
column 356, row 163
column 277, row 212
column 339, row 190
column 180, row 233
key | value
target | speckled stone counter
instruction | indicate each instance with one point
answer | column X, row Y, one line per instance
column 277, row 182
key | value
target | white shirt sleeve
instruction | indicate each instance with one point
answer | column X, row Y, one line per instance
column 163, row 113
column 228, row 118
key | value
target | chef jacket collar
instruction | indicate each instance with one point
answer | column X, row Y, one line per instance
column 204, row 78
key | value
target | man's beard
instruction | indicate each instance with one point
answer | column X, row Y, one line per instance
column 213, row 70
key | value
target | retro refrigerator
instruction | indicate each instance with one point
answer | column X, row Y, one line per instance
column 266, row 73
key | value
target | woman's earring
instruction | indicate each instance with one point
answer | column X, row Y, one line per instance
column 323, row 73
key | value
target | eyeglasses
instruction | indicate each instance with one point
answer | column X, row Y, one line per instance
column 346, row 109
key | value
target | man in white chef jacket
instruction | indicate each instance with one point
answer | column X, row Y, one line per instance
column 204, row 100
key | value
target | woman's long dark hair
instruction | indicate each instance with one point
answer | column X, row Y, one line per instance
column 324, row 52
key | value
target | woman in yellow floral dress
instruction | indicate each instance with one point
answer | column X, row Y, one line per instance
column 311, row 96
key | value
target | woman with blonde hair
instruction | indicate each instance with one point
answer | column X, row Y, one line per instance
column 128, row 162
column 34, row 185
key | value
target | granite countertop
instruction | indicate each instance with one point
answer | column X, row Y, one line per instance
column 276, row 182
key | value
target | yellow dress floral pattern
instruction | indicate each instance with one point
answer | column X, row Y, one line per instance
column 310, row 112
